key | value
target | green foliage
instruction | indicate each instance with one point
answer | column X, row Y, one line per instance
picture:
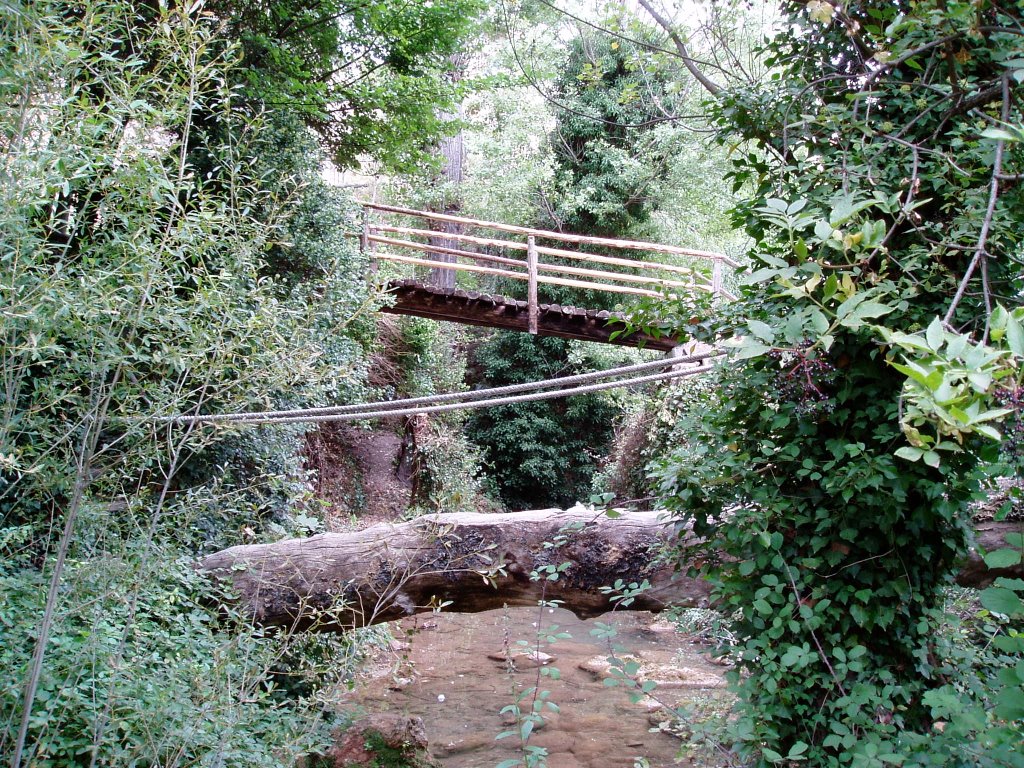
column 815, row 520
column 446, row 466
column 369, row 77
column 163, row 250
column 611, row 147
column 544, row 453
column 385, row 754
column 144, row 668
column 873, row 156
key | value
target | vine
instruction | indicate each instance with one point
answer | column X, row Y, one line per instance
column 877, row 349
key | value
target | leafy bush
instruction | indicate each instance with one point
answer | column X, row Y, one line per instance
column 143, row 274
column 544, row 453
column 831, row 472
column 146, row 667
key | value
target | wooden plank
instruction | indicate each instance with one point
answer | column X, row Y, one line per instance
column 475, row 239
column 544, row 279
column 620, row 276
column 419, row 301
column 635, row 245
column 440, row 249
column 531, row 291
column 563, row 253
column 597, row 286
column 364, row 243
column 615, row 261
column 457, row 267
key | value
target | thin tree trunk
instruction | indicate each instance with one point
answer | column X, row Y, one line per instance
column 452, row 152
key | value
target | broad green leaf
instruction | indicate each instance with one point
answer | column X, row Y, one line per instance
column 1001, row 600
column 999, row 134
column 1002, row 558
column 870, row 309
column 762, row 331
column 909, row 453
column 750, row 349
column 935, row 334
column 1015, row 336
column 849, row 305
column 1010, row 703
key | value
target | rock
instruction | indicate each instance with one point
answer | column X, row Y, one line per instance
column 524, row 659
column 718, row 661
column 382, row 740
column 471, row 743
column 665, row 676
column 661, row 628
column 650, row 705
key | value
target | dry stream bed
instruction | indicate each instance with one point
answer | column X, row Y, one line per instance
column 450, row 670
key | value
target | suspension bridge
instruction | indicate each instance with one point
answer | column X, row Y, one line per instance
column 444, row 245
column 440, row 247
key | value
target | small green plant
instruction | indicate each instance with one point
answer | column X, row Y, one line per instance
column 530, row 703
column 388, row 755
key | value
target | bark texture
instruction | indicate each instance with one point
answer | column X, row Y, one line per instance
column 466, row 562
column 476, row 562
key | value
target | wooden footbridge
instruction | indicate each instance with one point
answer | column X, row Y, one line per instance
column 442, row 243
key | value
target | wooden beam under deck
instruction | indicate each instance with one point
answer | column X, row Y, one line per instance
column 492, row 311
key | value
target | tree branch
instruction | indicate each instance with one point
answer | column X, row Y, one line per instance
column 709, row 85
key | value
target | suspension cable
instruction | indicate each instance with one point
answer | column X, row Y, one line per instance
column 405, row 405
column 264, row 418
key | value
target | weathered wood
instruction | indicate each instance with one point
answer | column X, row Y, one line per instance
column 547, row 251
column 614, row 260
column 418, row 300
column 620, row 276
column 475, row 562
column 635, row 245
column 989, row 536
column 364, row 240
column 449, row 251
column 456, row 267
column 469, row 562
column 531, row 292
column 546, row 280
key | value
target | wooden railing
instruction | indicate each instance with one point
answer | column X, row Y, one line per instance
column 658, row 279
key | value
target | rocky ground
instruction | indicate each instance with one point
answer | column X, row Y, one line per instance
column 457, row 672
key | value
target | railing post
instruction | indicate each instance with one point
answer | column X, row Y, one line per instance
column 716, row 277
column 365, row 246
column 531, row 291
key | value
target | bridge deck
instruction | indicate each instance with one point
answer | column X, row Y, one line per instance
column 413, row 297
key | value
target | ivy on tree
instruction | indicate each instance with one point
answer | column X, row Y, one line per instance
column 879, row 165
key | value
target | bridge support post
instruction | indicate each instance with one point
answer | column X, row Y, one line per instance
column 365, row 246
column 531, row 292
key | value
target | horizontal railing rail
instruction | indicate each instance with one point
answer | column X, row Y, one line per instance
column 532, row 269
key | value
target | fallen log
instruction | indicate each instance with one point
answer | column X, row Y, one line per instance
column 465, row 562
column 475, row 562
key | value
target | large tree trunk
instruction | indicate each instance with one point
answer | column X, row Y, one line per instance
column 448, row 184
column 466, row 562
column 469, row 562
